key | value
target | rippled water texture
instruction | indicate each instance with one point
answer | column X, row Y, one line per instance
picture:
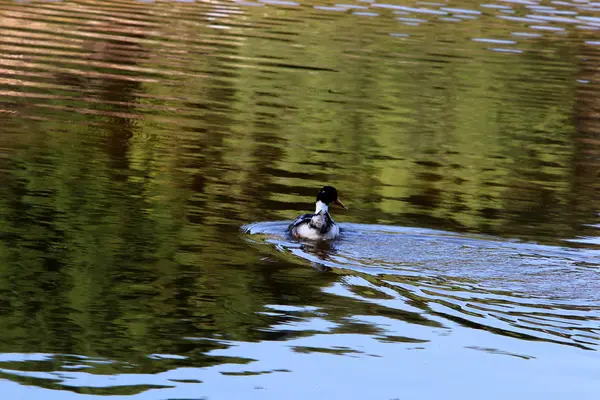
column 153, row 153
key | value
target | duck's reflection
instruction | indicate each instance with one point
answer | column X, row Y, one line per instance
column 322, row 250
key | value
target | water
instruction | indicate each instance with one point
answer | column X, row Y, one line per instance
column 152, row 155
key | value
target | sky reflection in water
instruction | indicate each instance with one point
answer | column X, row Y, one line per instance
column 137, row 138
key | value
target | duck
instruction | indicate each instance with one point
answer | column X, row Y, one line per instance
column 320, row 225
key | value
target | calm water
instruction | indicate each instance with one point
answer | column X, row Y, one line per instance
column 152, row 154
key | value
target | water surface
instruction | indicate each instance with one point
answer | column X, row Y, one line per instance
column 152, row 154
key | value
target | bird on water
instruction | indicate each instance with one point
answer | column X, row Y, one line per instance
column 320, row 225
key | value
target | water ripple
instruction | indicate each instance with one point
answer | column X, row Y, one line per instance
column 506, row 287
column 136, row 137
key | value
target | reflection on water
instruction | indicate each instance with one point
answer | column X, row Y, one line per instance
column 136, row 138
column 511, row 288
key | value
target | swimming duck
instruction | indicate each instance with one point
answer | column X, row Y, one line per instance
column 320, row 225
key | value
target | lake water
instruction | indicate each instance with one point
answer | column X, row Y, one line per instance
column 152, row 155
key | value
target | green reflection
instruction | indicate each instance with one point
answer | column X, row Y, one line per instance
column 130, row 160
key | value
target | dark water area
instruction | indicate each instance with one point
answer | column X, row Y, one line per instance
column 152, row 155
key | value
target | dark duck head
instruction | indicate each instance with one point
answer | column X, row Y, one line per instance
column 328, row 195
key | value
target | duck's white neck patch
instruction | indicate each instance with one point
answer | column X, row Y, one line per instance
column 320, row 206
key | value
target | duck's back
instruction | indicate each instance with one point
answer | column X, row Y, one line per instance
column 318, row 226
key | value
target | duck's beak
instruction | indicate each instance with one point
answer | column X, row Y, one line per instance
column 339, row 203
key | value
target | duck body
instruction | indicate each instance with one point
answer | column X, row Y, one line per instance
column 320, row 225
column 317, row 226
